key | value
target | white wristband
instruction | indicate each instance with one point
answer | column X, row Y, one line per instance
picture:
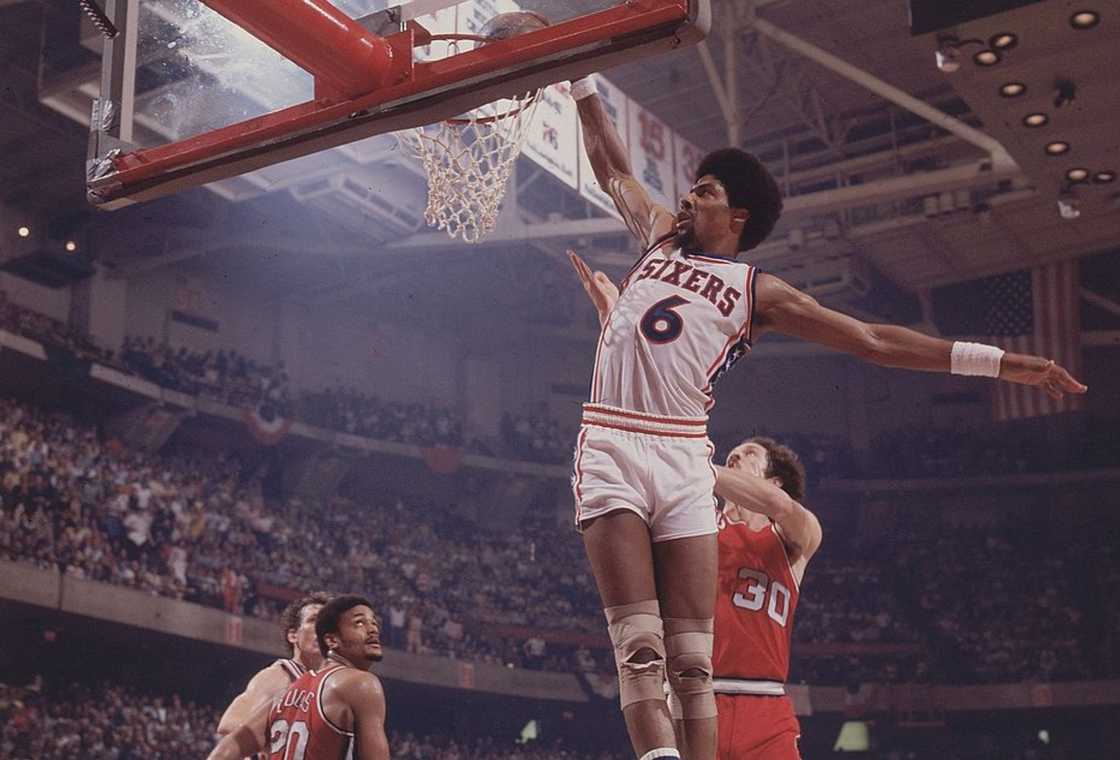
column 584, row 88
column 975, row 359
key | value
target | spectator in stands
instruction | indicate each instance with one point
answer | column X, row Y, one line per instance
column 395, row 630
column 414, row 642
column 66, row 494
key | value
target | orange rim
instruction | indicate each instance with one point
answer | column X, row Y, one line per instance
column 496, row 117
column 456, row 37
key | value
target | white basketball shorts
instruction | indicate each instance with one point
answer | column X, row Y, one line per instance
column 660, row 468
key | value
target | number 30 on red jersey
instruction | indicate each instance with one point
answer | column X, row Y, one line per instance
column 757, row 590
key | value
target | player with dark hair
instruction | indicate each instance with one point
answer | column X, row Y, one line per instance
column 297, row 622
column 766, row 539
column 643, row 481
column 335, row 711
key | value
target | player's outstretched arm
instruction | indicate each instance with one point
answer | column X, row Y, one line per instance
column 367, row 702
column 611, row 164
column 262, row 688
column 784, row 309
column 247, row 739
column 800, row 528
column 599, row 288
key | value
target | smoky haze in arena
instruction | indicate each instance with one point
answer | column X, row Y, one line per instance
column 286, row 386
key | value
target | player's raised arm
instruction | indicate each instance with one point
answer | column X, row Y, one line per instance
column 260, row 690
column 784, row 309
column 611, row 164
column 246, row 739
column 366, row 699
column 800, row 528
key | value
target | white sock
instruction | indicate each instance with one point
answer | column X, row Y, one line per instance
column 661, row 752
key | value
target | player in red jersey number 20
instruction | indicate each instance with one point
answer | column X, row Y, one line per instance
column 336, row 712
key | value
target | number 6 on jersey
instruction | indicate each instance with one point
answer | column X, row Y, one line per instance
column 661, row 324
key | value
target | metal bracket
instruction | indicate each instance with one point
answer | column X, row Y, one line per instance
column 111, row 119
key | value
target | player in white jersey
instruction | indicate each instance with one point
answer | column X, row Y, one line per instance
column 297, row 622
column 643, row 479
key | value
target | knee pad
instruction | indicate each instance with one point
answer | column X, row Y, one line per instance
column 637, row 635
column 689, row 645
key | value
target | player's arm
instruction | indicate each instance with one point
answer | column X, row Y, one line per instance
column 801, row 529
column 599, row 288
column 262, row 689
column 247, row 739
column 611, row 164
column 784, row 309
column 366, row 700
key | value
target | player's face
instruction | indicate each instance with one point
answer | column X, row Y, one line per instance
column 359, row 636
column 705, row 218
column 751, row 458
column 304, row 641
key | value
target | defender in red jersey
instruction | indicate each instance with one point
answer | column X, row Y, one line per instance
column 298, row 623
column 336, row 712
column 766, row 539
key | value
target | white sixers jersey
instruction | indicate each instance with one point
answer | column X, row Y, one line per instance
column 680, row 322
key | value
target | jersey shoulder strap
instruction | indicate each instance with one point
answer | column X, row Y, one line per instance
column 292, row 669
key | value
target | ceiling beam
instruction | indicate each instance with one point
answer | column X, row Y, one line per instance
column 888, row 92
column 1101, row 302
column 1101, row 339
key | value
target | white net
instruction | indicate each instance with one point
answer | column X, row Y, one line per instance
column 469, row 163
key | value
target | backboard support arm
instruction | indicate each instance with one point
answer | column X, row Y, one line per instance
column 111, row 120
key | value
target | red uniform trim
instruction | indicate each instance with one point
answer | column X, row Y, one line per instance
column 319, row 701
column 643, row 416
column 646, row 431
column 579, row 472
column 710, row 259
column 292, row 668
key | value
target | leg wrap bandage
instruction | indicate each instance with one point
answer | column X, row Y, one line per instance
column 689, row 646
column 639, row 650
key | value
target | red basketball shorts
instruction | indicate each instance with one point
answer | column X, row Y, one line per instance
column 757, row 728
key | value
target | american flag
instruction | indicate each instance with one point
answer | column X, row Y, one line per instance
column 1036, row 311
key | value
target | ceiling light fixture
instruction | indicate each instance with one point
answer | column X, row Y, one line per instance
column 1084, row 20
column 1036, row 120
column 948, row 54
column 1104, row 177
column 1012, row 90
column 71, row 246
column 23, row 231
column 1003, row 41
column 987, row 58
column 1077, row 175
column 1057, row 148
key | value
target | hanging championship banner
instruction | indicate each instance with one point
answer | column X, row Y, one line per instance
column 686, row 161
column 553, row 141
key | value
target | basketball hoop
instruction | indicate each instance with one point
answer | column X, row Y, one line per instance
column 469, row 159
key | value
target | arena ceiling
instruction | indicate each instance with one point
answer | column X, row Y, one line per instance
column 872, row 182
